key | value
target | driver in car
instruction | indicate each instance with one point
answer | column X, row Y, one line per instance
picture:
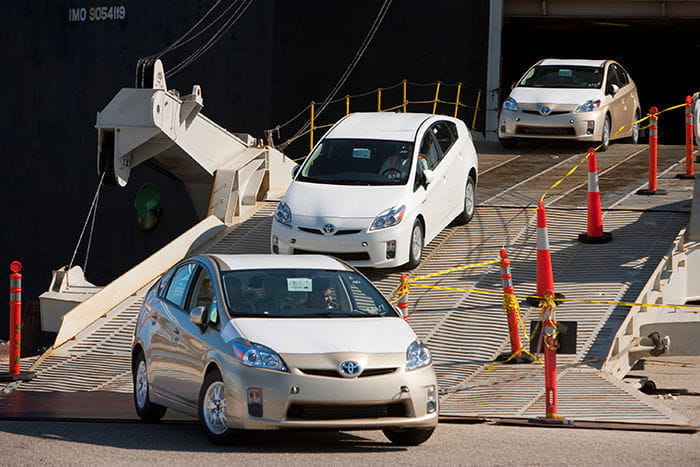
column 397, row 165
column 322, row 296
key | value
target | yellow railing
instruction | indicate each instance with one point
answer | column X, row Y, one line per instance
column 312, row 126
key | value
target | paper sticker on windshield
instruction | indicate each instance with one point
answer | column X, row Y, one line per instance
column 565, row 73
column 360, row 153
column 299, row 284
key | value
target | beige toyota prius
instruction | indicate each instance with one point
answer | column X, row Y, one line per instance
column 581, row 100
column 266, row 342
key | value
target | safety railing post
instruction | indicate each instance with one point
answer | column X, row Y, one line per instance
column 476, row 109
column 379, row 99
column 347, row 104
column 405, row 101
column 653, row 153
column 594, row 231
column 311, row 132
column 403, row 297
column 459, row 91
column 14, row 373
column 437, row 96
column 689, row 167
column 512, row 309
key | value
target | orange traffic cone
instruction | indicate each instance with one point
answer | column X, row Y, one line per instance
column 545, row 276
column 594, row 232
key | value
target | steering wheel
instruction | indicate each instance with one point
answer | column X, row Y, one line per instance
column 392, row 173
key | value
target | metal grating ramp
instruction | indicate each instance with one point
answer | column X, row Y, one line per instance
column 466, row 331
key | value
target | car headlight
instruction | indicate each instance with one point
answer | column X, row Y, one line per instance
column 510, row 104
column 258, row 356
column 283, row 214
column 588, row 106
column 388, row 218
column 417, row 356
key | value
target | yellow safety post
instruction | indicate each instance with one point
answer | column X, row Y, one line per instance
column 437, row 94
column 311, row 133
column 459, row 90
column 347, row 104
column 405, row 101
column 379, row 99
column 476, row 109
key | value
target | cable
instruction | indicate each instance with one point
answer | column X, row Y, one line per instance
column 351, row 66
column 91, row 211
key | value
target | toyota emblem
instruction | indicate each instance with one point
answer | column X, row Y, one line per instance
column 544, row 110
column 328, row 229
column 350, row 369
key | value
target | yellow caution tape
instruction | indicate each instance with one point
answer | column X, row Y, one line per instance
column 413, row 279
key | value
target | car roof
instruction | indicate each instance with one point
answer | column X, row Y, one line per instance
column 247, row 262
column 392, row 126
column 572, row 62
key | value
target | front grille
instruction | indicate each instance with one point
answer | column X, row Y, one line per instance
column 335, row 374
column 345, row 412
column 536, row 112
column 362, row 256
column 545, row 130
column 339, row 232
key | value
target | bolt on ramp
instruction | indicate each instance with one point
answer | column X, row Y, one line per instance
column 466, row 331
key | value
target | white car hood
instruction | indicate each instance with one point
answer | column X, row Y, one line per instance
column 555, row 96
column 327, row 335
column 349, row 201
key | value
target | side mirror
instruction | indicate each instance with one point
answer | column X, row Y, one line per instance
column 428, row 176
column 614, row 88
column 295, row 169
column 197, row 315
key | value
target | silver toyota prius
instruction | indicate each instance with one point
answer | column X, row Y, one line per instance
column 265, row 342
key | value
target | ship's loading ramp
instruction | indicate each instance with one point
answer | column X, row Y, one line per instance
column 467, row 331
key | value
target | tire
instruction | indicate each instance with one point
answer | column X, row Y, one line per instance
column 636, row 132
column 211, row 408
column 469, row 202
column 147, row 410
column 509, row 143
column 415, row 248
column 408, row 436
column 605, row 137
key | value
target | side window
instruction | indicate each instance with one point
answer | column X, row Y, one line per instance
column 163, row 283
column 429, row 151
column 612, row 79
column 622, row 76
column 203, row 295
column 177, row 290
column 444, row 135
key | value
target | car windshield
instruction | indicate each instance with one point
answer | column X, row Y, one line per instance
column 302, row 293
column 549, row 76
column 358, row 162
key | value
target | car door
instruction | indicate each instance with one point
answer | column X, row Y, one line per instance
column 628, row 98
column 165, row 371
column 190, row 348
column 445, row 134
column 436, row 202
column 616, row 99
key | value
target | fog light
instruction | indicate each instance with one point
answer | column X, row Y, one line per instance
column 571, row 121
column 255, row 398
column 591, row 127
column 431, row 404
column 364, row 244
column 391, row 249
column 275, row 244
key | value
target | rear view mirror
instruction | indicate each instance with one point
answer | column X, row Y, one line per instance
column 428, row 176
column 197, row 315
column 614, row 88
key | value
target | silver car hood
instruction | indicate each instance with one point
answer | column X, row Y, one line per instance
column 325, row 335
column 341, row 201
column 555, row 96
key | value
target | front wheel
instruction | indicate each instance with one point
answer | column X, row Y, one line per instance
column 634, row 139
column 605, row 137
column 469, row 202
column 408, row 436
column 212, row 410
column 147, row 410
column 415, row 249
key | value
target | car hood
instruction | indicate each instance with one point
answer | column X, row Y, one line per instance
column 321, row 200
column 554, row 95
column 327, row 335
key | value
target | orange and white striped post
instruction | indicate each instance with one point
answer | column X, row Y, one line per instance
column 14, row 373
column 653, row 154
column 509, row 304
column 403, row 297
column 594, row 231
column 689, row 128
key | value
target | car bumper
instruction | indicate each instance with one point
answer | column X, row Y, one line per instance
column 583, row 126
column 297, row 400
column 363, row 248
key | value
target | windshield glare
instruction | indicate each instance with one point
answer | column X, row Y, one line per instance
column 358, row 162
column 291, row 293
column 563, row 77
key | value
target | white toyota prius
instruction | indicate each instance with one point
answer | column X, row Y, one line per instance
column 377, row 188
